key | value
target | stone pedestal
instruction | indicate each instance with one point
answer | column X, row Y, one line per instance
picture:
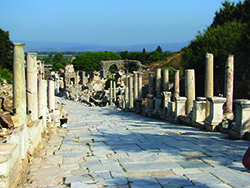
column 209, row 79
column 242, row 117
column 166, row 80
column 51, row 96
column 42, row 101
column 199, row 110
column 19, row 86
column 31, row 84
column 176, row 84
column 151, row 83
column 150, row 105
column 216, row 112
column 131, row 99
column 228, row 87
column 171, row 110
column 189, row 89
column 166, row 100
column 180, row 103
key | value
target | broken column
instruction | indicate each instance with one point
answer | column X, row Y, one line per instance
column 150, row 83
column 189, row 89
column 31, row 84
column 228, row 87
column 166, row 80
column 131, row 100
column 209, row 79
column 42, row 101
column 216, row 112
column 51, row 96
column 19, row 86
column 158, row 98
column 176, row 84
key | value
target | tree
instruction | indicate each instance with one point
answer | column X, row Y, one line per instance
column 58, row 58
column 159, row 49
column 57, row 66
column 6, row 50
column 91, row 61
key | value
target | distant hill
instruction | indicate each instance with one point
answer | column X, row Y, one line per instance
column 74, row 46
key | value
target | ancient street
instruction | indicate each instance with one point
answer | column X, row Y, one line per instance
column 106, row 147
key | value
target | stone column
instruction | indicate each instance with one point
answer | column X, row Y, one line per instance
column 180, row 104
column 158, row 82
column 126, row 99
column 31, row 84
column 51, row 96
column 139, row 86
column 19, row 86
column 42, row 100
column 130, row 85
column 139, row 100
column 166, row 100
column 242, row 123
column 135, row 86
column 176, row 84
column 166, row 80
column 216, row 112
column 209, row 79
column 77, row 77
column 228, row 87
column 151, row 83
column 189, row 89
column 111, row 92
column 114, row 91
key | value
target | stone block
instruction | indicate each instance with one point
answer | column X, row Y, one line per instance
column 216, row 112
column 242, row 123
column 199, row 111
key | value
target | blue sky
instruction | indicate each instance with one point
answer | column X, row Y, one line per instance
column 107, row 22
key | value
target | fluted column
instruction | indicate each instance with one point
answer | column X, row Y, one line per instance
column 19, row 86
column 135, row 86
column 158, row 82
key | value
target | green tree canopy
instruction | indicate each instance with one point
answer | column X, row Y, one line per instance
column 57, row 66
column 58, row 58
column 6, row 50
column 91, row 61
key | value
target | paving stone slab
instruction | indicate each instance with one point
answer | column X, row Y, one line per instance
column 192, row 164
column 230, row 176
column 71, row 179
column 174, row 180
column 157, row 166
column 203, row 179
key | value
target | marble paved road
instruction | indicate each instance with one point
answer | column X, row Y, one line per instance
column 105, row 147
